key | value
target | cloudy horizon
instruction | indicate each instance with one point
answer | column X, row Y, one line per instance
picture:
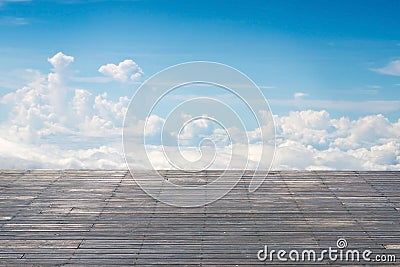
column 335, row 97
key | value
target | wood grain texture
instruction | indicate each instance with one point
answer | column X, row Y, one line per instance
column 93, row 217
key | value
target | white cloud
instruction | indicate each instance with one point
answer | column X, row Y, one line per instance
column 307, row 140
column 393, row 68
column 375, row 106
column 125, row 71
column 53, row 125
column 299, row 95
column 82, row 103
column 309, row 126
column 153, row 125
column 111, row 110
column 83, row 130
column 311, row 139
column 60, row 61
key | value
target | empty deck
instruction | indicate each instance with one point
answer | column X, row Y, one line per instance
column 68, row 217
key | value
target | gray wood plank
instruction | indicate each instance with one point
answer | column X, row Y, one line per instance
column 101, row 217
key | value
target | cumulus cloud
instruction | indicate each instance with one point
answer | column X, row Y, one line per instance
column 56, row 81
column 53, row 125
column 48, row 105
column 306, row 140
column 125, row 71
column 60, row 61
column 82, row 129
column 312, row 140
column 311, row 127
column 393, row 68
column 154, row 125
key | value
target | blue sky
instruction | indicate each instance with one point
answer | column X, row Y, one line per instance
column 338, row 56
column 325, row 49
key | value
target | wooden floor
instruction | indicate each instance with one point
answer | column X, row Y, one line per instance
column 103, row 218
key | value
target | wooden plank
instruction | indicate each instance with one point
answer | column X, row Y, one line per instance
column 100, row 217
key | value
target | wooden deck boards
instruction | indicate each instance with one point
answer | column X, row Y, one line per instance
column 68, row 217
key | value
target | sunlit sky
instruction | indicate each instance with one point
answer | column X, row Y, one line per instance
column 338, row 57
column 326, row 49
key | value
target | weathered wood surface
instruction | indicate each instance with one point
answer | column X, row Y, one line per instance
column 73, row 217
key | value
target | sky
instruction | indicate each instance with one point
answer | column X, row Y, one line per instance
column 330, row 71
